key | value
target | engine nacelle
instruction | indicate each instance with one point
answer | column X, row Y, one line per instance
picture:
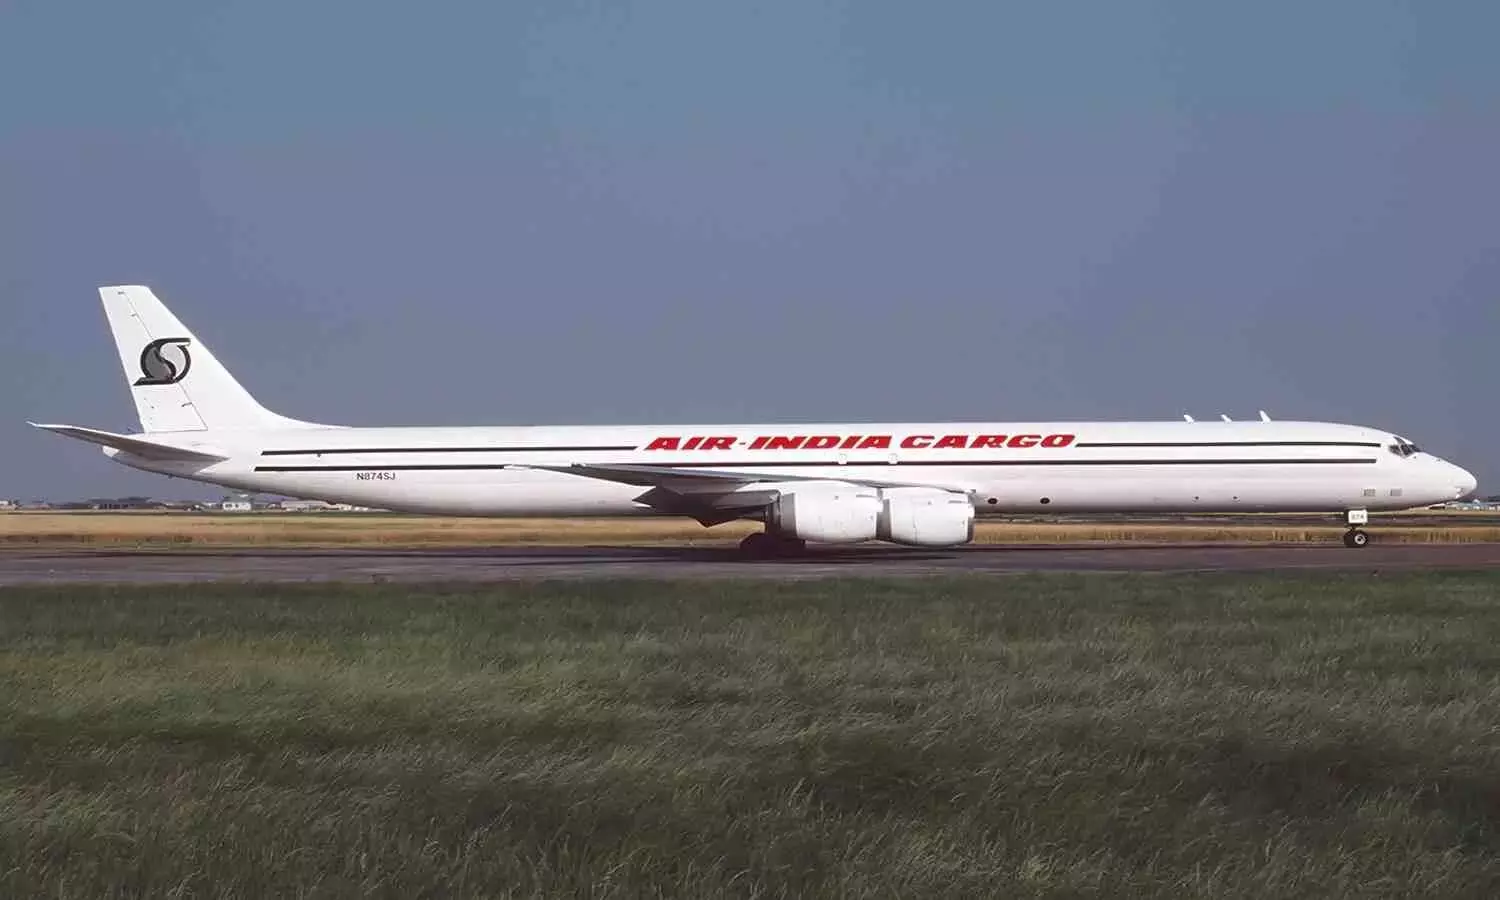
column 925, row 517
column 833, row 513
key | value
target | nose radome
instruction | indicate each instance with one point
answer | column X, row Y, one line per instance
column 1465, row 484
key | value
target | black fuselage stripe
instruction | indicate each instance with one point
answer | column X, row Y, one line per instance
column 614, row 448
column 1160, row 444
column 617, row 448
column 406, row 467
column 831, row 464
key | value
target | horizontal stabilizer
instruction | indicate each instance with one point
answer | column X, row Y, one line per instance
column 136, row 446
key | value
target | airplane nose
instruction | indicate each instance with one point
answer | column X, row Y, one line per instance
column 1466, row 484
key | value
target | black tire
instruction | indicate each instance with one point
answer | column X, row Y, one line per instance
column 758, row 545
column 764, row 545
column 790, row 546
column 1356, row 538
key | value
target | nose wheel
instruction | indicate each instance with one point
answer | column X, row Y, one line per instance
column 1356, row 536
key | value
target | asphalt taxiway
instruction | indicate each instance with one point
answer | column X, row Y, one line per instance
column 19, row 567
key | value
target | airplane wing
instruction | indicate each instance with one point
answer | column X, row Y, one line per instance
column 711, row 496
column 136, row 446
column 701, row 479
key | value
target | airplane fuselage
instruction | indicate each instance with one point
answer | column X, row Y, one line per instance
column 1005, row 468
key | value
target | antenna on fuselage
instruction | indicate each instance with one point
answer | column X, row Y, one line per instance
column 1264, row 417
column 1186, row 417
column 1225, row 418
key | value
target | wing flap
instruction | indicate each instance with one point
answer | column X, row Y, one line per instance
column 650, row 476
column 695, row 479
column 711, row 496
column 136, row 446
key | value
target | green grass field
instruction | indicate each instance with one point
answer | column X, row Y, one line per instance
column 1029, row 736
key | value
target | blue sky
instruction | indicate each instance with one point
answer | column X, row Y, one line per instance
column 570, row 212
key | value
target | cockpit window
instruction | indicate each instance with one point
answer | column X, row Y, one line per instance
column 1404, row 448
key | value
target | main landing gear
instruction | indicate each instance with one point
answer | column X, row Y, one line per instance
column 770, row 545
column 1356, row 536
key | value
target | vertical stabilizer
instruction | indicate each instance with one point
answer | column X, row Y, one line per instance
column 176, row 382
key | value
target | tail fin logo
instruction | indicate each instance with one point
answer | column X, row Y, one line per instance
column 165, row 361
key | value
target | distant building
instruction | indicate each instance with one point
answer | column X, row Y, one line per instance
column 317, row 506
column 115, row 503
column 1485, row 505
column 10, row 504
column 305, row 505
column 239, row 503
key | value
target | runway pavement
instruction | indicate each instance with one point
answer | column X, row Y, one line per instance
column 513, row 563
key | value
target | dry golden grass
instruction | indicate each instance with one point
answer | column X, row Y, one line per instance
column 354, row 530
column 340, row 530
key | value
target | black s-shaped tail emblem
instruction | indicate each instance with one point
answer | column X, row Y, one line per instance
column 165, row 361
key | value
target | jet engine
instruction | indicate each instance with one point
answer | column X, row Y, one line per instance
column 840, row 513
column 925, row 517
column 830, row 512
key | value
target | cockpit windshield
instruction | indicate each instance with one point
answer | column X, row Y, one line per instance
column 1404, row 448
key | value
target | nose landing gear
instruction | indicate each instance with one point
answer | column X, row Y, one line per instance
column 1356, row 536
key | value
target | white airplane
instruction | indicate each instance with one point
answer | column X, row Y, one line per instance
column 917, row 484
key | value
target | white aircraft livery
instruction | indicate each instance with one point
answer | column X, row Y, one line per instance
column 916, row 484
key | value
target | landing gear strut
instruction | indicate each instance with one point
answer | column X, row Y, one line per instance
column 770, row 545
column 1355, row 536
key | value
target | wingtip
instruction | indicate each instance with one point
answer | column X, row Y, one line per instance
column 54, row 427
